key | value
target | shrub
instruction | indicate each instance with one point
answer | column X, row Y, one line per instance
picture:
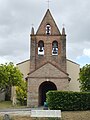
column 64, row 100
column 21, row 93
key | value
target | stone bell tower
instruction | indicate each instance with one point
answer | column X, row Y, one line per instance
column 48, row 69
column 48, row 44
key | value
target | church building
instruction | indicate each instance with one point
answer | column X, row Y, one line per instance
column 48, row 67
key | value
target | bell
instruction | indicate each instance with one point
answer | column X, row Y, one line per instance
column 41, row 49
column 54, row 51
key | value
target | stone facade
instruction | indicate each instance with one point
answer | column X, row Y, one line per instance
column 73, row 70
column 45, row 74
column 47, row 71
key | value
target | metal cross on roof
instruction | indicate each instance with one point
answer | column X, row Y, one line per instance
column 48, row 1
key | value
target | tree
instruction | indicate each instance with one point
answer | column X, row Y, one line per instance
column 84, row 78
column 10, row 76
column 21, row 93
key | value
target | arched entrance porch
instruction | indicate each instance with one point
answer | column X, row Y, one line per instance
column 43, row 89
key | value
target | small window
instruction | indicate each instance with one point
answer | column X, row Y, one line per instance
column 48, row 29
column 55, row 48
column 40, row 47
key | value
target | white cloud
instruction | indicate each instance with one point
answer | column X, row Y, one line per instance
column 86, row 52
column 16, row 17
column 3, row 60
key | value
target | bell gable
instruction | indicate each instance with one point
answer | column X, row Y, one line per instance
column 48, row 26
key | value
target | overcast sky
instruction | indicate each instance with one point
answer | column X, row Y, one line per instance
column 17, row 17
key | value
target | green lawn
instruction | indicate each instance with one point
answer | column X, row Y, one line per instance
column 8, row 104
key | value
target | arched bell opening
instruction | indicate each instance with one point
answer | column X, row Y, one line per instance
column 40, row 47
column 48, row 29
column 43, row 89
column 55, row 48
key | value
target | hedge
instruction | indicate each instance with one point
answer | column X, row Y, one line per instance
column 67, row 101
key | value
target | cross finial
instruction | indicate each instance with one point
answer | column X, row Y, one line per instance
column 48, row 1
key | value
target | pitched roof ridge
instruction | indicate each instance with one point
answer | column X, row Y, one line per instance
column 51, row 64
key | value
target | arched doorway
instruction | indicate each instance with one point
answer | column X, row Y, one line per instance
column 43, row 89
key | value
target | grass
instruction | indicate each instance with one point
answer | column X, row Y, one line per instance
column 76, row 115
column 8, row 104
